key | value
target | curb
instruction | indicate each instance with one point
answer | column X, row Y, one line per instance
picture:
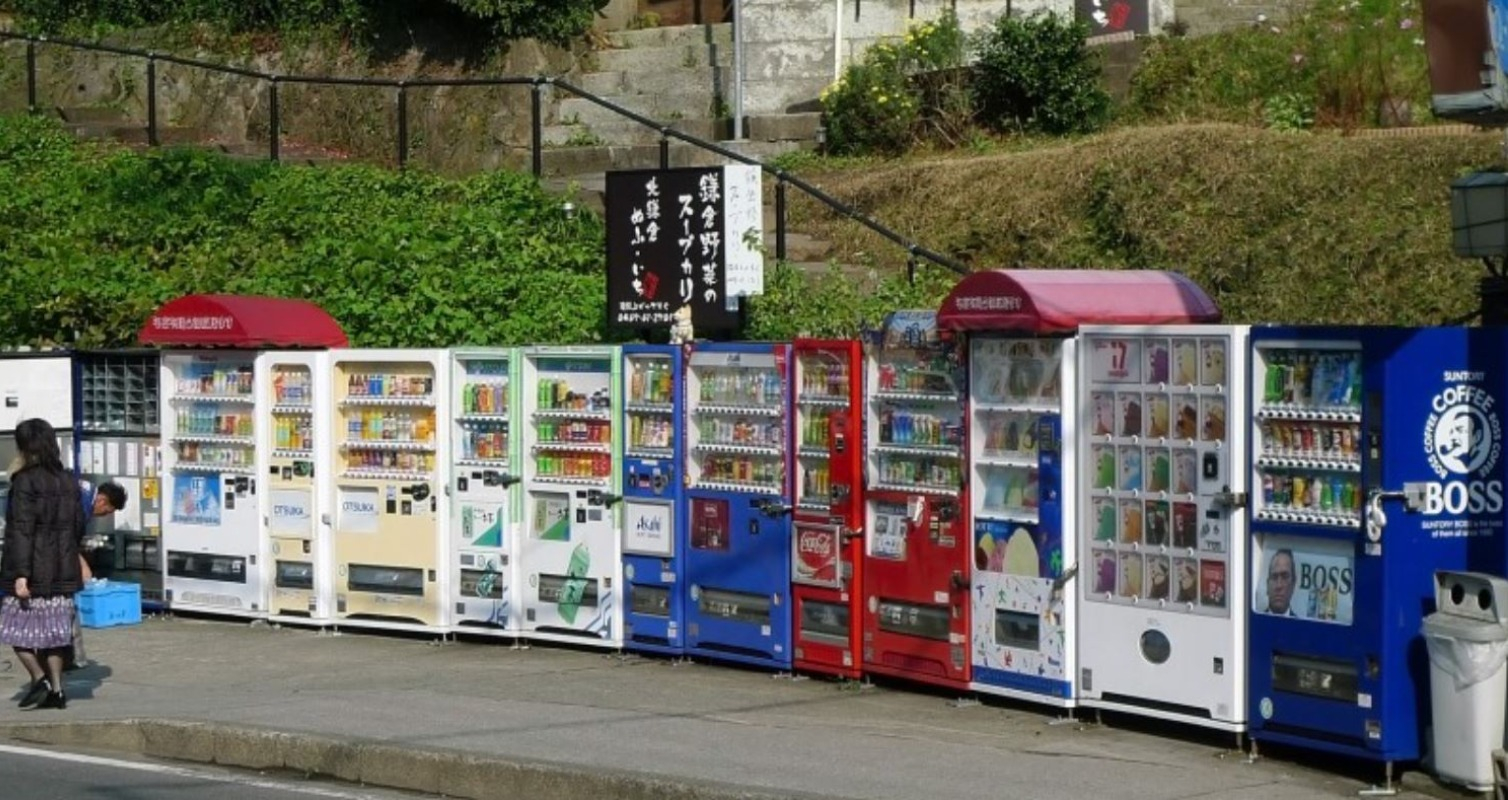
column 370, row 762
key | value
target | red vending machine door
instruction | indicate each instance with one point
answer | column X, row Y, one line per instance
column 916, row 612
column 826, row 546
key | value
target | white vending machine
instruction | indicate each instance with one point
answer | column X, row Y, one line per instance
column 293, row 427
column 484, row 491
column 570, row 553
column 215, row 554
column 1162, row 625
column 390, row 548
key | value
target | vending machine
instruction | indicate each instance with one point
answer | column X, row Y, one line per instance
column 916, row 543
column 292, row 425
column 827, row 544
column 1021, row 327
column 571, row 555
column 484, row 493
column 390, row 544
column 116, row 402
column 212, row 536
column 738, row 562
column 1163, row 503
column 35, row 384
column 1376, row 460
column 654, row 499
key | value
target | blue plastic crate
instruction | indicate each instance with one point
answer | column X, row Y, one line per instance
column 108, row 604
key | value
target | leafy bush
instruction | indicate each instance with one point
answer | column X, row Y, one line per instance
column 554, row 21
column 1035, row 73
column 1354, row 62
column 900, row 91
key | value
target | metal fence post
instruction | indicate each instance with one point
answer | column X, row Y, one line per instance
column 31, row 76
column 152, row 100
column 664, row 150
column 536, row 129
column 274, row 118
column 402, row 125
column 780, row 216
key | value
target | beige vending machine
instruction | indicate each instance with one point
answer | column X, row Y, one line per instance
column 294, row 428
column 390, row 551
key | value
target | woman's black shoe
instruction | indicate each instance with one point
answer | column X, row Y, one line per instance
column 38, row 691
column 54, row 700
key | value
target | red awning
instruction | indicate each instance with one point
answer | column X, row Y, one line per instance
column 229, row 320
column 1060, row 300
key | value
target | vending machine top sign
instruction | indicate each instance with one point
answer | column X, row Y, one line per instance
column 1044, row 301
column 246, row 321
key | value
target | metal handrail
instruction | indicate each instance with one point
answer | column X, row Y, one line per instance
column 535, row 84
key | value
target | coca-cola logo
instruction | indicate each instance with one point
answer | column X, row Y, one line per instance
column 816, row 542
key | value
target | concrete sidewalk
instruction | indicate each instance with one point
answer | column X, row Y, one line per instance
column 484, row 720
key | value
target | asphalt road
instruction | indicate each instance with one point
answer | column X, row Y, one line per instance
column 47, row 774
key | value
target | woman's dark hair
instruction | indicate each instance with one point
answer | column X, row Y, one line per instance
column 38, row 444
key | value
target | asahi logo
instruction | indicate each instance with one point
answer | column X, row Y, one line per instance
column 1463, row 437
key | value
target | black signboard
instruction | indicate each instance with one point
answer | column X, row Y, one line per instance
column 666, row 248
column 1113, row 16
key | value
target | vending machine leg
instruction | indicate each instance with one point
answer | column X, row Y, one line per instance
column 792, row 676
column 519, row 644
column 1068, row 718
column 965, row 702
column 1387, row 789
column 682, row 661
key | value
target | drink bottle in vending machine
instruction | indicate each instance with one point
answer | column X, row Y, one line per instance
column 485, row 493
column 654, row 507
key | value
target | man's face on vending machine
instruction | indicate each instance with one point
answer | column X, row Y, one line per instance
column 1458, row 440
column 1280, row 582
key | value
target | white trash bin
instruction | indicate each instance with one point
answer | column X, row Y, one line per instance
column 1467, row 638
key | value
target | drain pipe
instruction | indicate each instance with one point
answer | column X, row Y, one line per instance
column 738, row 70
column 837, row 40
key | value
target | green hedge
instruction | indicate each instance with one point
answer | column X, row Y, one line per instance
column 92, row 240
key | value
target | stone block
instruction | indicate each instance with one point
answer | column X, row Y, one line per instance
column 402, row 768
column 318, row 756
column 181, row 741
column 248, row 749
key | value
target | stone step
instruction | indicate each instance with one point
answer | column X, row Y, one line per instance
column 643, row 61
column 663, row 109
column 671, row 82
column 93, row 115
column 127, row 132
column 673, row 36
column 783, row 127
column 627, row 132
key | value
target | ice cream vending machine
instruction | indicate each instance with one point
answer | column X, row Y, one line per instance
column 1162, row 629
column 654, row 499
column 827, row 543
column 570, row 555
column 1376, row 460
column 390, row 547
column 917, row 550
column 485, row 469
column 293, row 429
column 212, row 534
column 738, row 563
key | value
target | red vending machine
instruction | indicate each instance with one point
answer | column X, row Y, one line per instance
column 917, row 547
column 826, row 550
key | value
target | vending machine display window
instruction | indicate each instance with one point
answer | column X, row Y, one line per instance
column 485, row 499
column 294, row 429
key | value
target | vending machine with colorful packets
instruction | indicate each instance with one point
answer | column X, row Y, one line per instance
column 654, row 499
column 738, row 562
column 486, row 470
column 570, row 552
column 293, row 428
column 391, row 550
column 1376, row 460
column 827, row 546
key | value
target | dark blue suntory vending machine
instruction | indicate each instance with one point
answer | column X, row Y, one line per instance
column 1377, row 459
column 738, row 563
column 654, row 499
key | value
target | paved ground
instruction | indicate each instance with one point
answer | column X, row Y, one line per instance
column 705, row 731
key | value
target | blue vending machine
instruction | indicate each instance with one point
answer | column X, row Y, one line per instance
column 738, row 555
column 1377, row 459
column 654, row 499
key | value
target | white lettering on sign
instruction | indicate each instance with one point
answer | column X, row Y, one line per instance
column 1463, row 440
column 815, row 542
column 992, row 303
column 292, row 512
column 359, row 510
column 193, row 323
column 647, row 529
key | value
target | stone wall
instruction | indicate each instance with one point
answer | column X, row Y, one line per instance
column 1211, row 16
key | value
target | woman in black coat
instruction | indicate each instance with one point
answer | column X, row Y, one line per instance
column 39, row 565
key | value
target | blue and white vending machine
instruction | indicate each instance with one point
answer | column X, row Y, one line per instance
column 1377, row 459
column 654, row 507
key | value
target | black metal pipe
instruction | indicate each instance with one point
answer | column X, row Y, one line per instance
column 536, row 130
column 274, row 119
column 780, row 216
column 664, row 150
column 31, row 76
column 402, row 125
column 152, row 101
